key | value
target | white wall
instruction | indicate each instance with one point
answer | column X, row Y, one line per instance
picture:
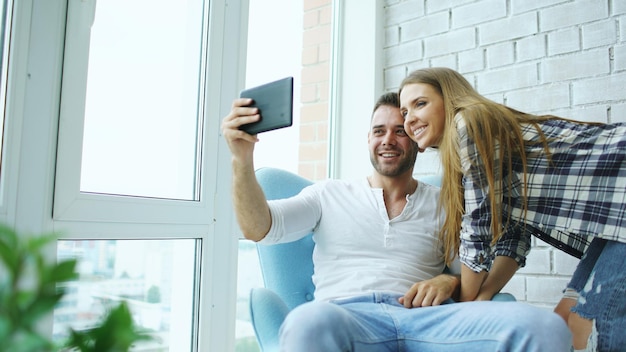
column 561, row 57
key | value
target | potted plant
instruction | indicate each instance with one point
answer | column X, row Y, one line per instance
column 29, row 292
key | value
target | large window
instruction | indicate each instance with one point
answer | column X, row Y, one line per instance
column 134, row 80
column 144, row 98
column 113, row 110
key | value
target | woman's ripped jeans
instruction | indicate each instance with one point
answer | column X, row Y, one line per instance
column 600, row 281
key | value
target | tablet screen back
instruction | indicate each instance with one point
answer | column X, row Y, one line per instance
column 275, row 103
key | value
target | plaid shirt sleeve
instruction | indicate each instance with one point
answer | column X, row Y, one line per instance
column 476, row 251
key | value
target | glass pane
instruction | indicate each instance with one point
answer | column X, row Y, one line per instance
column 279, row 33
column 144, row 99
column 154, row 277
column 248, row 276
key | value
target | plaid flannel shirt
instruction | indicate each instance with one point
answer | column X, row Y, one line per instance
column 580, row 194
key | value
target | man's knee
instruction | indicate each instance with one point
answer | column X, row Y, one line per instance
column 311, row 316
column 313, row 321
column 536, row 326
column 539, row 319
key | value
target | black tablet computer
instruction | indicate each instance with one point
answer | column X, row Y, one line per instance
column 275, row 103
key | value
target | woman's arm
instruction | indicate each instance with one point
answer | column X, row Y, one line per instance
column 476, row 251
column 471, row 283
column 501, row 272
column 483, row 286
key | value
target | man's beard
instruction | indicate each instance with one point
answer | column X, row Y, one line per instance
column 405, row 164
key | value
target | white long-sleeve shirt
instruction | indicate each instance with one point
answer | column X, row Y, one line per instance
column 358, row 249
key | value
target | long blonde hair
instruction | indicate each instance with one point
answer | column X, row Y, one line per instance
column 489, row 124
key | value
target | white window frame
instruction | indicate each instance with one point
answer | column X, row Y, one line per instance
column 12, row 127
column 72, row 205
column 356, row 83
column 33, row 109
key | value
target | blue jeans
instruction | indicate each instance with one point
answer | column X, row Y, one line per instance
column 377, row 322
column 600, row 280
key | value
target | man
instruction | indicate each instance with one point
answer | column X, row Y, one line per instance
column 377, row 261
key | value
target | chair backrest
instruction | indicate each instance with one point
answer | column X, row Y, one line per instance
column 434, row 180
column 287, row 268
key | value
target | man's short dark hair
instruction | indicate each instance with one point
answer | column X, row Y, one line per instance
column 387, row 99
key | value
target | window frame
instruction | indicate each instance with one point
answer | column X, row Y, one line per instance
column 349, row 87
column 10, row 135
column 32, row 131
column 70, row 204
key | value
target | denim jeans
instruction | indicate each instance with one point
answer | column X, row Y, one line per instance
column 600, row 280
column 377, row 322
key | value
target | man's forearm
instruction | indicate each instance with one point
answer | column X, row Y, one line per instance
column 250, row 205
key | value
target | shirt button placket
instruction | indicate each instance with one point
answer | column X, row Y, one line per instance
column 387, row 238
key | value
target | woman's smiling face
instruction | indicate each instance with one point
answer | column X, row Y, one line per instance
column 421, row 106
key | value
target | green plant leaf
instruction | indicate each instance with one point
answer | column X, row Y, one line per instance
column 8, row 236
column 23, row 299
column 5, row 328
column 8, row 251
column 64, row 271
column 35, row 244
column 39, row 308
column 27, row 290
column 117, row 333
column 80, row 341
column 27, row 341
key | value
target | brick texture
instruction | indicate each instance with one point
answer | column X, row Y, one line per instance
column 316, row 38
column 542, row 56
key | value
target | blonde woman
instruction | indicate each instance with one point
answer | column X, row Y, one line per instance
column 508, row 175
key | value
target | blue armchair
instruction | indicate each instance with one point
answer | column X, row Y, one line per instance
column 287, row 268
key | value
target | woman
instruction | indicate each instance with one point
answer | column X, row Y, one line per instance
column 508, row 175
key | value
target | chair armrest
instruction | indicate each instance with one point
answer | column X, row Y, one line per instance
column 267, row 313
column 503, row 297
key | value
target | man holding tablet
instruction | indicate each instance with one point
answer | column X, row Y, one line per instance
column 377, row 262
column 274, row 102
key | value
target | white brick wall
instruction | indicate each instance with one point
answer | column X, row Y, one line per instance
column 563, row 41
column 542, row 56
column 619, row 57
